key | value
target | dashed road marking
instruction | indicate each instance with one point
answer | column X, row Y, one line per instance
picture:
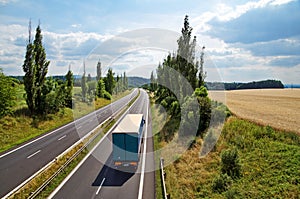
column 33, row 154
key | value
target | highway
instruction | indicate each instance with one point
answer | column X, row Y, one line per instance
column 97, row 178
column 23, row 161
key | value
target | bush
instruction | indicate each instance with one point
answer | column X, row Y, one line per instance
column 230, row 163
column 106, row 95
column 221, row 183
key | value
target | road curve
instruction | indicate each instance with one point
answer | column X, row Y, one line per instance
column 20, row 163
column 96, row 177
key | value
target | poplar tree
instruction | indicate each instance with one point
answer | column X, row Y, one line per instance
column 69, row 84
column 99, row 71
column 83, row 84
column 35, row 67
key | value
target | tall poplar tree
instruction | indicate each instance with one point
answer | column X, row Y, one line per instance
column 69, row 90
column 83, row 84
column 35, row 67
column 99, row 70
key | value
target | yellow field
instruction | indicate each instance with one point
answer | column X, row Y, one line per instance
column 279, row 108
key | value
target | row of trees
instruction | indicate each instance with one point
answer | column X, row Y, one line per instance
column 43, row 95
column 103, row 87
column 180, row 80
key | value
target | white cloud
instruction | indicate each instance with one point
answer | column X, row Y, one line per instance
column 4, row 2
column 76, row 25
column 280, row 2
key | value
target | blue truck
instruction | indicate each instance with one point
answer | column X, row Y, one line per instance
column 127, row 139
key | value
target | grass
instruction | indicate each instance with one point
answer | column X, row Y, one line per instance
column 270, row 162
column 279, row 108
column 20, row 127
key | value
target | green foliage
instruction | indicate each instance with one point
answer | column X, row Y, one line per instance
column 7, row 94
column 92, row 85
column 69, row 89
column 230, row 163
column 121, row 84
column 100, row 88
column 84, row 87
column 106, row 95
column 35, row 67
column 221, row 183
column 99, row 71
column 201, row 92
column 109, row 81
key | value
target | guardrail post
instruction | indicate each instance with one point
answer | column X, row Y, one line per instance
column 165, row 195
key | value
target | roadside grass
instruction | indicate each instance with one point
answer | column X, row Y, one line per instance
column 269, row 158
column 20, row 127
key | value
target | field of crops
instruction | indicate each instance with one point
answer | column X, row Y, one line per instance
column 279, row 108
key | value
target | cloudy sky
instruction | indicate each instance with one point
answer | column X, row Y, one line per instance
column 244, row 40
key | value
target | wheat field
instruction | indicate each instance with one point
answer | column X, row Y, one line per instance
column 279, row 108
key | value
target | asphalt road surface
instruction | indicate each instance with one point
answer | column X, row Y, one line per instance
column 20, row 163
column 97, row 178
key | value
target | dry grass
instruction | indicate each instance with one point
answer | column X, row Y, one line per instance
column 279, row 108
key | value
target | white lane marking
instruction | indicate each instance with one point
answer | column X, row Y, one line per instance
column 100, row 186
column 33, row 154
column 144, row 157
column 79, row 127
column 62, row 137
column 16, row 149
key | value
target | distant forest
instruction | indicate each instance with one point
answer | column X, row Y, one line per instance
column 133, row 82
column 249, row 85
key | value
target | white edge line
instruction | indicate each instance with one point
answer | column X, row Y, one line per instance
column 100, row 186
column 87, row 156
column 144, row 157
column 33, row 154
column 95, row 112
column 47, row 165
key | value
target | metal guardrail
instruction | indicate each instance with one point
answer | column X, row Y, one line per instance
column 163, row 182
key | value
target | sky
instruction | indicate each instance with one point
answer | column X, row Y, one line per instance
column 244, row 40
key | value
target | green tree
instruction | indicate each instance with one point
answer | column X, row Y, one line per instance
column 29, row 69
column 109, row 81
column 69, row 89
column 100, row 88
column 41, row 71
column 99, row 71
column 35, row 67
column 83, row 85
column 7, row 94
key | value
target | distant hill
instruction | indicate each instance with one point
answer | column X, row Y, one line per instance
column 137, row 81
column 250, row 85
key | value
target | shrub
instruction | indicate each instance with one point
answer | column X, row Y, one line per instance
column 230, row 163
column 221, row 183
column 107, row 95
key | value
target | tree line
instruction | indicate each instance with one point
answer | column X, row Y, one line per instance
column 102, row 87
column 179, row 81
column 250, row 85
column 45, row 95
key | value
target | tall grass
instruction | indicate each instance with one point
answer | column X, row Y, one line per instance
column 269, row 161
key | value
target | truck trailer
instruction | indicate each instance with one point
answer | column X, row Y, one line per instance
column 127, row 138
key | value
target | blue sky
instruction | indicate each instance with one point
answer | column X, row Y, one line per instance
column 244, row 40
